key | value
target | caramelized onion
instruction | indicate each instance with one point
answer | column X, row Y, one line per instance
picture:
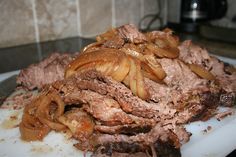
column 203, row 73
column 86, row 67
column 106, row 68
column 151, row 76
column 31, row 128
column 132, row 50
column 102, row 55
column 141, row 91
column 92, row 47
column 152, row 66
column 168, row 52
column 172, row 39
column 126, row 81
column 50, row 108
column 122, row 71
column 132, row 76
column 136, row 80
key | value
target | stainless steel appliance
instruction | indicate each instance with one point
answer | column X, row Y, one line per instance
column 186, row 15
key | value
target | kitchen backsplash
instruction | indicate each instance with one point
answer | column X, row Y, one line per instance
column 30, row 21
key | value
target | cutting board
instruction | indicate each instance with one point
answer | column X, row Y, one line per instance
column 218, row 141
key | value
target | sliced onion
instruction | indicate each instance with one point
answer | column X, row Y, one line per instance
column 112, row 67
column 132, row 76
column 126, row 81
column 170, row 52
column 173, row 40
column 88, row 66
column 203, row 73
column 122, row 71
column 161, row 43
column 92, row 47
column 31, row 129
column 152, row 66
column 104, row 67
column 53, row 125
column 132, row 50
column 151, row 76
column 102, row 55
column 47, row 115
column 141, row 91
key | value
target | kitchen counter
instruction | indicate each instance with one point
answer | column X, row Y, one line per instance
column 18, row 57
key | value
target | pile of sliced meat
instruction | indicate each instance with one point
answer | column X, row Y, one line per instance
column 107, row 118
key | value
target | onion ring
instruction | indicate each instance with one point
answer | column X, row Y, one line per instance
column 31, row 128
column 48, row 115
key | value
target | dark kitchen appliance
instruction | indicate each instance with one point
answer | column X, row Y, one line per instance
column 186, row 15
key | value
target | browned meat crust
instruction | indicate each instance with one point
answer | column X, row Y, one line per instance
column 47, row 71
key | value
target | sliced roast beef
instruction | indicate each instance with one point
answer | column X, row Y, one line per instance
column 194, row 54
column 106, row 109
column 119, row 123
column 188, row 107
column 116, row 42
column 103, row 85
column 129, row 103
column 128, row 129
column 191, row 53
column 158, row 149
column 47, row 71
column 131, row 34
column 101, row 152
column 157, row 140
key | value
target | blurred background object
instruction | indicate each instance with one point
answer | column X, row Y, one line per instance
column 188, row 15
